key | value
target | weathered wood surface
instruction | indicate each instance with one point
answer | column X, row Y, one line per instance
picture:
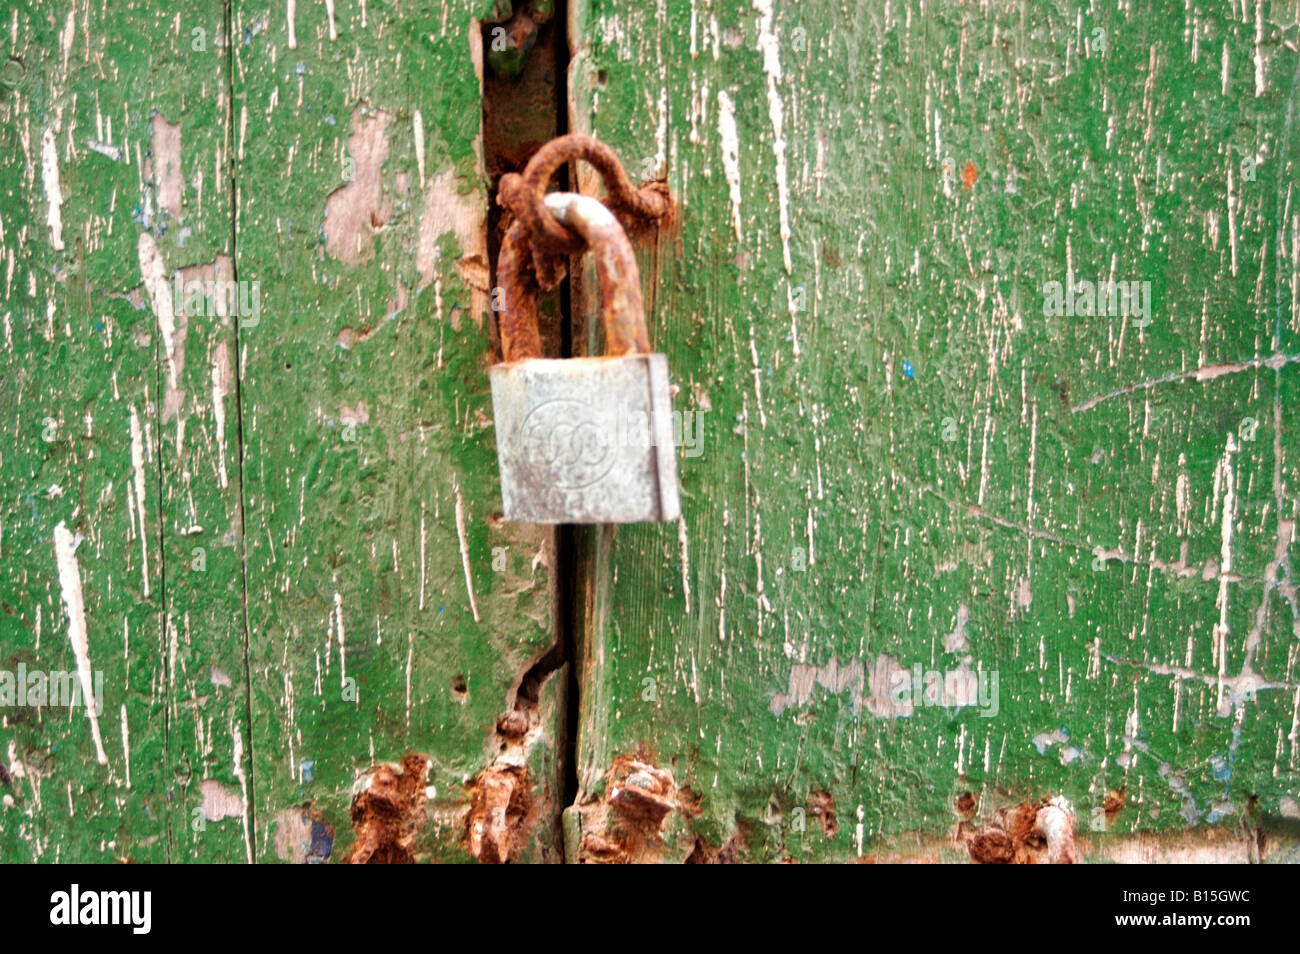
column 273, row 526
column 906, row 462
column 104, row 487
column 281, row 516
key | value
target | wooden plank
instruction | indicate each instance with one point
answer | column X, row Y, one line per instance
column 391, row 611
column 92, row 219
column 907, row 462
column 366, row 509
column 189, row 244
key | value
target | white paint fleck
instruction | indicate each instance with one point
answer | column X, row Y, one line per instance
column 1024, row 594
column 730, row 157
column 137, row 468
column 66, row 36
column 770, row 48
column 65, row 558
column 221, row 380
column 238, row 757
column 104, row 149
column 464, row 550
column 53, row 192
column 126, row 745
column 1225, row 569
column 1259, row 53
column 417, row 126
column 343, row 649
column 683, row 541
column 154, row 275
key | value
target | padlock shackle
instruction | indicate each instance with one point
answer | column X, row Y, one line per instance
column 621, row 310
column 622, row 313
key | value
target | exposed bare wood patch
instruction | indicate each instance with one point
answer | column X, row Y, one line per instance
column 303, row 836
column 169, row 183
column 153, row 273
column 354, row 414
column 208, row 287
column 449, row 209
column 355, row 213
column 349, row 337
column 218, row 802
column 389, row 813
column 204, row 288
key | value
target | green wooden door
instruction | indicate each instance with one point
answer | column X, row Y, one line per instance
column 914, row 462
column 984, row 324
column 276, row 506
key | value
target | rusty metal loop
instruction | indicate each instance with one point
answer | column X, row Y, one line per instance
column 622, row 311
column 525, row 194
column 517, row 309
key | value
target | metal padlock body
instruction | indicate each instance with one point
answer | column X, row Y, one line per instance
column 589, row 440
column 586, row 440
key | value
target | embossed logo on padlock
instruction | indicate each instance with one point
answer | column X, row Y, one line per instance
column 570, row 443
column 587, row 440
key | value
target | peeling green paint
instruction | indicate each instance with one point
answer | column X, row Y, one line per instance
column 359, row 524
column 285, row 529
column 896, row 436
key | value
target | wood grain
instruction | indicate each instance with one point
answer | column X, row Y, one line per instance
column 907, row 462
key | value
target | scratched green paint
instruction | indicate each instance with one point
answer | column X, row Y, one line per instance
column 353, row 544
column 197, row 434
column 906, row 527
column 348, row 543
column 81, row 366
column 1081, row 156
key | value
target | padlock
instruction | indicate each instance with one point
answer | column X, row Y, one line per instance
column 584, row 440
